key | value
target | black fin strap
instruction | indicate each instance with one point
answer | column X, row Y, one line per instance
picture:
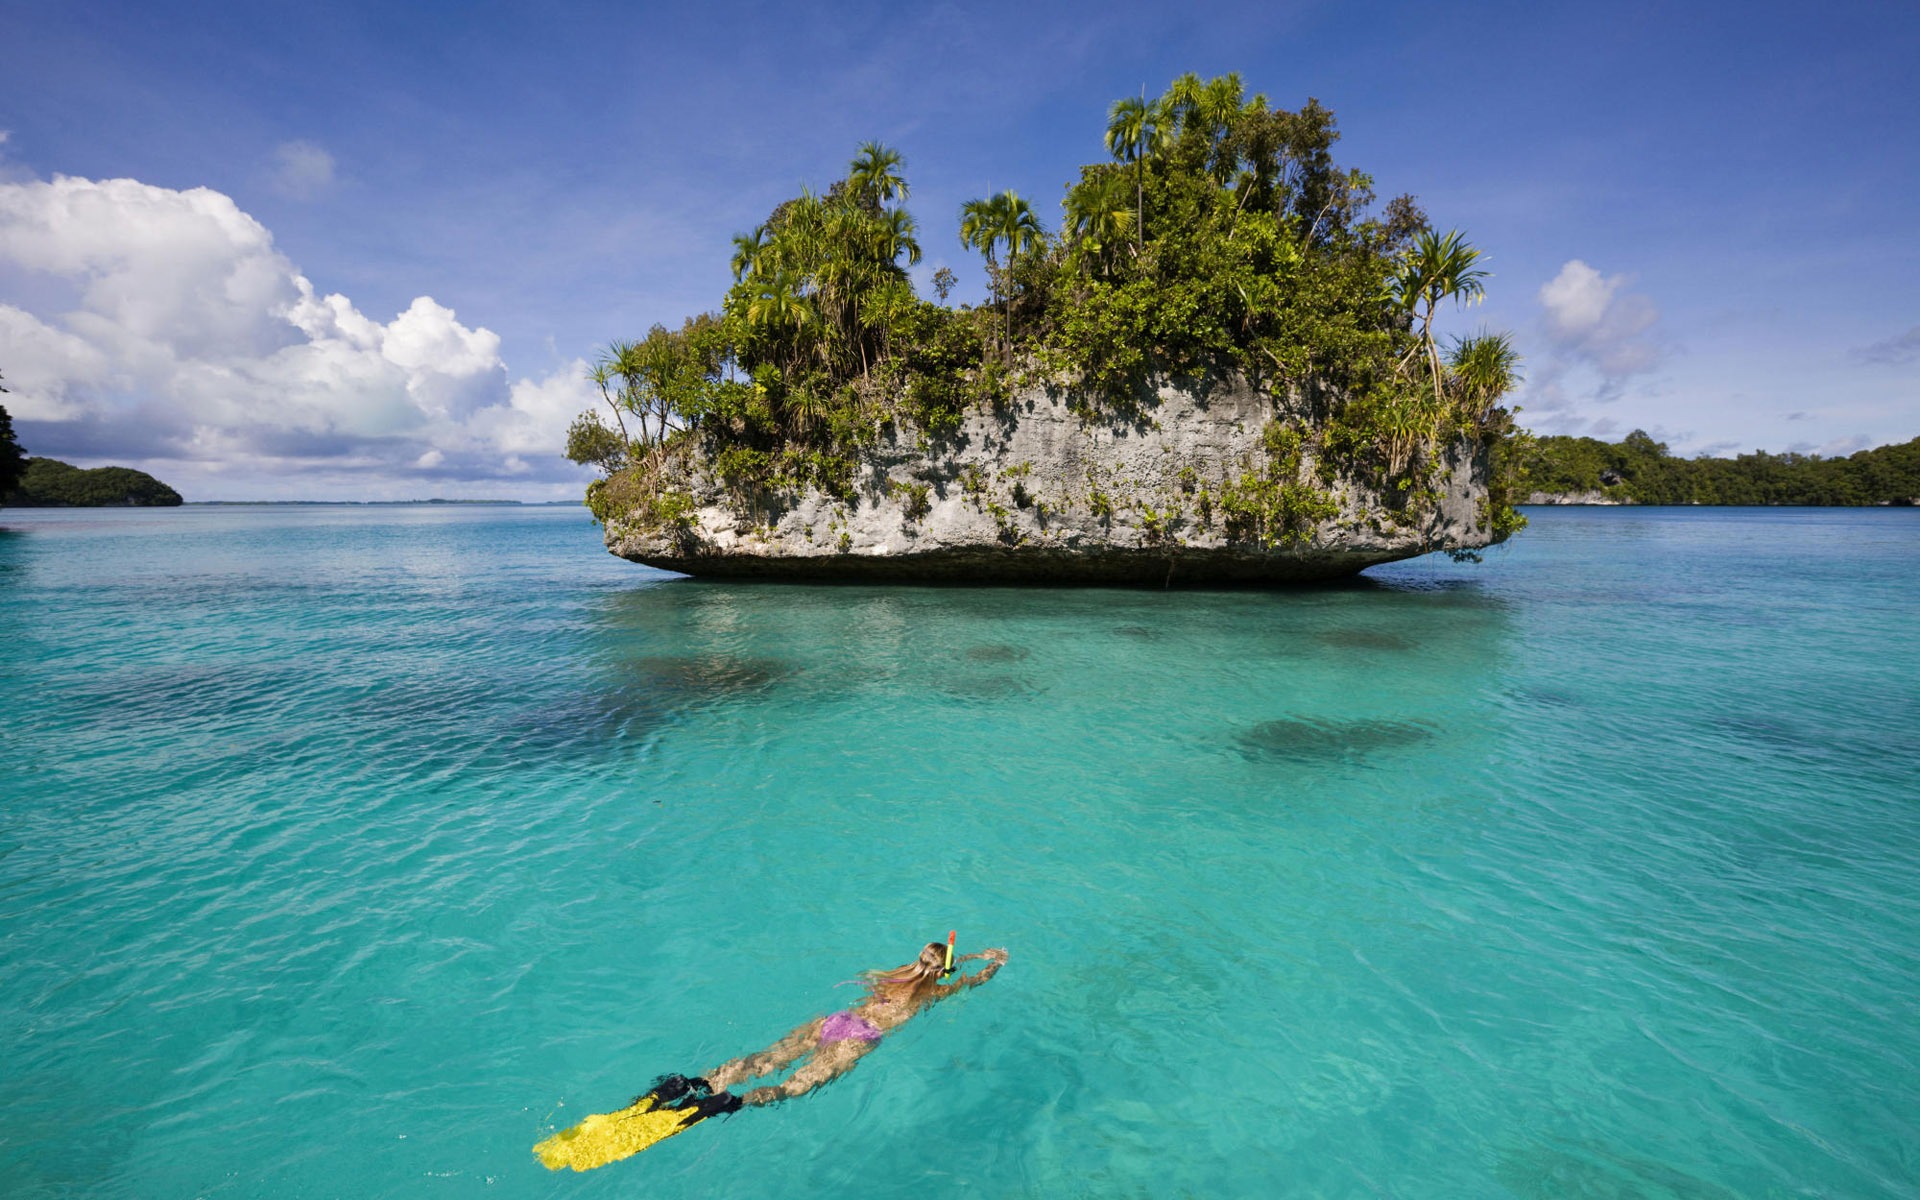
column 670, row 1089
column 719, row 1102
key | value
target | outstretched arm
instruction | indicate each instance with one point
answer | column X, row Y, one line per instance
column 996, row 958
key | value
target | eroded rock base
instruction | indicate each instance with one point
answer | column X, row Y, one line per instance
column 1184, row 567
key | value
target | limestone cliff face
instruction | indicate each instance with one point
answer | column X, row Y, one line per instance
column 1587, row 497
column 1034, row 493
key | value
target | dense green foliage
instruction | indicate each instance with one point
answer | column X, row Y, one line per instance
column 1221, row 240
column 13, row 459
column 820, row 344
column 1640, row 470
column 48, row 482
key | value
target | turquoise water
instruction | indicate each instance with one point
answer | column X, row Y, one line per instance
column 349, row 852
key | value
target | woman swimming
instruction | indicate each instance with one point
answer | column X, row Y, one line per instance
column 838, row 1041
column 676, row 1103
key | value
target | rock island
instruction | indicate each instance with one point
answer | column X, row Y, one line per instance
column 1222, row 367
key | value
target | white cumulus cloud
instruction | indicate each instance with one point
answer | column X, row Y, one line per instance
column 1599, row 337
column 537, row 413
column 1592, row 317
column 160, row 325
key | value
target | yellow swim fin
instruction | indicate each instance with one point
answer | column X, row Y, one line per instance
column 609, row 1137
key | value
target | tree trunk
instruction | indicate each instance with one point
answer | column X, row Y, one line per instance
column 1140, row 203
column 1433, row 354
column 998, row 283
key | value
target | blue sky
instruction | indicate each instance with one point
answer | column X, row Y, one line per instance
column 1700, row 218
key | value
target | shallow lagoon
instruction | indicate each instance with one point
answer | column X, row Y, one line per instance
column 349, row 851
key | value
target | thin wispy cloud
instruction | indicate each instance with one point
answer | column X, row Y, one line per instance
column 1836, row 448
column 1897, row 350
column 9, row 169
column 302, row 170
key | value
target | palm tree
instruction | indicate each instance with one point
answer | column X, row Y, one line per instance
column 1019, row 228
column 896, row 230
column 1136, row 130
column 1207, row 108
column 1484, row 369
column 1182, row 98
column 1082, row 207
column 1438, row 268
column 1214, row 112
column 874, row 174
column 780, row 305
column 980, row 230
column 1003, row 220
column 1097, row 213
column 1220, row 103
column 747, row 249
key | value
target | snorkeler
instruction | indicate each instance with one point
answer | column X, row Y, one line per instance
column 836, row 1042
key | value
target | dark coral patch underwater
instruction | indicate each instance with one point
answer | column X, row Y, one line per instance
column 1321, row 739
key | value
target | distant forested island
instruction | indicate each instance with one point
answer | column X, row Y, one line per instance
column 50, row 483
column 1639, row 470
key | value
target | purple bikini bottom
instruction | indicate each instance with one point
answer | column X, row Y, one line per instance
column 844, row 1026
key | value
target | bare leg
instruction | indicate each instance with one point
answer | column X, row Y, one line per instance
column 766, row 1062
column 830, row 1062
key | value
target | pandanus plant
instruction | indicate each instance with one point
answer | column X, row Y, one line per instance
column 1436, row 269
column 1408, row 421
column 1484, row 368
column 604, row 377
column 874, row 175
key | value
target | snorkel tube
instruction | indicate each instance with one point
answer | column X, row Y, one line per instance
column 948, row 969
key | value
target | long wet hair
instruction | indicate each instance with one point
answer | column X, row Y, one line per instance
column 910, row 981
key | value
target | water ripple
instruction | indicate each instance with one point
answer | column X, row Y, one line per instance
column 352, row 849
